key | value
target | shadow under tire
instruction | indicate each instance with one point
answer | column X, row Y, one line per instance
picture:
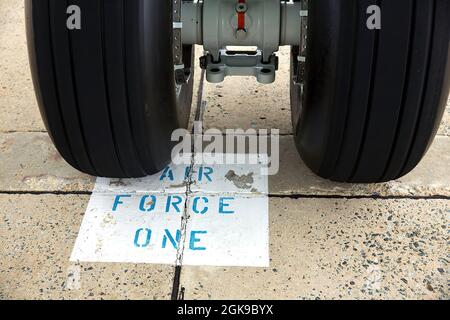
column 107, row 92
column 373, row 99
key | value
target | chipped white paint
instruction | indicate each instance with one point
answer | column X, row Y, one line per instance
column 140, row 220
column 233, row 178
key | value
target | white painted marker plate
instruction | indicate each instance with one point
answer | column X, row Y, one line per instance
column 140, row 220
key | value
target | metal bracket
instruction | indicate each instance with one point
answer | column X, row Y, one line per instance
column 240, row 63
column 299, row 77
column 180, row 73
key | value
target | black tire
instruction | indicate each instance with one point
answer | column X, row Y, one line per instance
column 107, row 92
column 373, row 100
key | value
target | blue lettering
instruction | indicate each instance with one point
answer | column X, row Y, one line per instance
column 205, row 171
column 187, row 171
column 137, row 236
column 223, row 205
column 167, row 173
column 171, row 239
column 117, row 201
column 175, row 203
column 195, row 205
column 194, row 240
column 151, row 203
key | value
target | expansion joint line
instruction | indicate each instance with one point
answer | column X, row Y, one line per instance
column 177, row 290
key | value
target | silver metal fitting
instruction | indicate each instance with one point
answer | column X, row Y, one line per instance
column 240, row 63
column 241, row 7
column 179, row 74
column 300, row 68
column 218, row 24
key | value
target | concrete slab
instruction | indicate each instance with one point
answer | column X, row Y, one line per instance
column 18, row 105
column 430, row 178
column 37, row 235
column 341, row 249
column 31, row 163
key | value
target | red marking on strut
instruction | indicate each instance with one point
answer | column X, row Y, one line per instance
column 241, row 17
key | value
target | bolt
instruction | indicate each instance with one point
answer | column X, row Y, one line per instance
column 241, row 34
column 241, row 8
